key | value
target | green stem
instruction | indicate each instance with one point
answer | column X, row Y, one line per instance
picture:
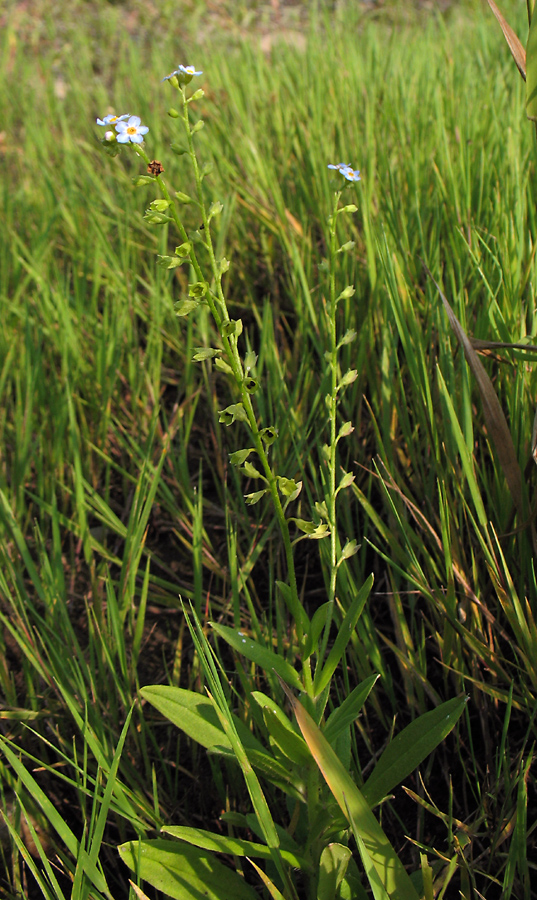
column 332, row 461
column 218, row 307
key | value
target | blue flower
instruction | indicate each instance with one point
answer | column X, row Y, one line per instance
column 347, row 171
column 131, row 131
column 111, row 120
column 184, row 74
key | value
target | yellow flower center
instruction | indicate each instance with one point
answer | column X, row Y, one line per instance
column 131, row 129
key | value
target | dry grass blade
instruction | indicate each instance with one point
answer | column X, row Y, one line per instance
column 494, row 416
column 516, row 48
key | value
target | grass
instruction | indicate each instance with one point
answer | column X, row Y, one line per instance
column 117, row 495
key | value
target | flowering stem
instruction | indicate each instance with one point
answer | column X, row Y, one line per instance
column 218, row 307
column 332, row 413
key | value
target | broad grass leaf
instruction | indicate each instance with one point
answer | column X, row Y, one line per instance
column 516, row 48
column 494, row 416
column 349, row 710
column 290, row 744
column 531, row 71
column 221, row 843
column 196, row 716
column 332, row 869
column 343, row 637
column 270, row 886
column 265, row 659
column 184, row 872
column 353, row 804
column 410, row 747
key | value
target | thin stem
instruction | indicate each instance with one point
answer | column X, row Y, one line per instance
column 331, row 462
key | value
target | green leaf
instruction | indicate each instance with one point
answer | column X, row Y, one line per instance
column 322, row 677
column 332, row 869
column 291, row 744
column 410, row 747
column 516, row 48
column 261, row 656
column 348, row 711
column 184, row 872
column 312, row 635
column 352, row 803
column 220, row 843
column 196, row 716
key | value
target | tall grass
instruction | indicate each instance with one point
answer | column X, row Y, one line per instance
column 117, row 496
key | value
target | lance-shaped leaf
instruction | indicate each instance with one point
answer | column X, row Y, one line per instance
column 181, row 871
column 494, row 417
column 516, row 48
column 261, row 656
column 221, row 843
column 531, row 71
column 354, row 806
column 410, row 747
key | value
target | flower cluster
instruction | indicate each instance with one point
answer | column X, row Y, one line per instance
column 184, row 74
column 347, row 171
column 131, row 130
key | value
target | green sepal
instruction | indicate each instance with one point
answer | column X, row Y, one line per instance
column 251, row 472
column 269, row 435
column 223, row 366
column 197, row 127
column 251, row 384
column 239, row 457
column 197, row 95
column 205, row 353
column 173, row 113
column 349, row 245
column 183, row 250
column 215, row 209
column 346, row 429
column 250, row 360
column 222, row 266
column 156, row 218
column 255, row 497
column 349, row 377
column 347, row 338
column 198, row 289
column 233, row 413
column 184, row 307
column 179, row 150
column 170, row 262
column 350, row 548
column 183, row 198
column 139, row 180
column 160, row 205
column 345, row 482
column 234, row 327
column 348, row 292
column 288, row 487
